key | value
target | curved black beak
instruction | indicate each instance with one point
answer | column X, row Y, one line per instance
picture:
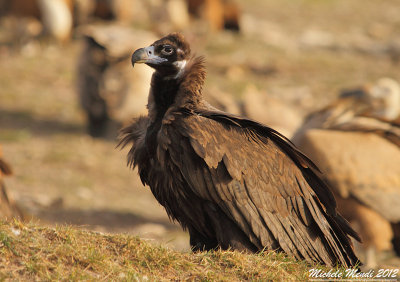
column 146, row 55
column 139, row 56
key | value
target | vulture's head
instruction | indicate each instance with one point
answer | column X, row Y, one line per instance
column 385, row 96
column 167, row 55
column 381, row 99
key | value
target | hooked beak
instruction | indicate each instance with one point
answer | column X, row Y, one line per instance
column 147, row 56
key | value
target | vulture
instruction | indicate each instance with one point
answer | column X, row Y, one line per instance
column 232, row 182
column 8, row 208
column 356, row 142
column 368, row 108
column 109, row 92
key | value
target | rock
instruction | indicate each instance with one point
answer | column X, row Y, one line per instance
column 222, row 101
column 299, row 95
column 270, row 111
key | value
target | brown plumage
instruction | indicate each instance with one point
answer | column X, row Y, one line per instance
column 230, row 181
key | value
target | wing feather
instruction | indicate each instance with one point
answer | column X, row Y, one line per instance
column 264, row 189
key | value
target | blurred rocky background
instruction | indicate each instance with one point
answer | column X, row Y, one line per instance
column 307, row 68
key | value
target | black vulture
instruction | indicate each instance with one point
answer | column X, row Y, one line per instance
column 230, row 181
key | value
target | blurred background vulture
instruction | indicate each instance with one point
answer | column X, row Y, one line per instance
column 109, row 91
column 356, row 143
column 230, row 181
column 8, row 208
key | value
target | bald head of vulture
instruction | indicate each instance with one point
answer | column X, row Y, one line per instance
column 379, row 100
column 385, row 99
column 230, row 181
column 370, row 108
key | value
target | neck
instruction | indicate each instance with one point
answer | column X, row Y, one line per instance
column 391, row 111
column 183, row 90
column 393, row 104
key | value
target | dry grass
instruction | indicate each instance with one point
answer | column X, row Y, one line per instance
column 29, row 252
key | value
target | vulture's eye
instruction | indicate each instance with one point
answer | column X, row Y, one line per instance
column 167, row 50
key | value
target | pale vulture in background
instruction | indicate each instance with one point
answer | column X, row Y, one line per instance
column 356, row 143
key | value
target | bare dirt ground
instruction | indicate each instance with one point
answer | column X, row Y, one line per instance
column 302, row 52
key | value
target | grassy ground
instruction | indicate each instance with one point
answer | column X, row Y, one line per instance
column 29, row 252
